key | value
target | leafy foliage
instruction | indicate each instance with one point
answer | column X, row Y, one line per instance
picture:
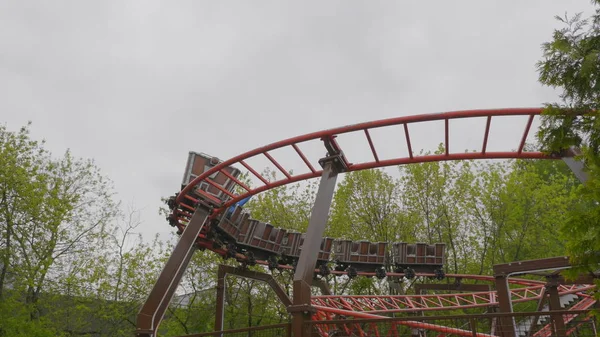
column 367, row 206
column 51, row 212
column 286, row 206
column 71, row 263
column 571, row 63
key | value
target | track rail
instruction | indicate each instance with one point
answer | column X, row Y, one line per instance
column 183, row 211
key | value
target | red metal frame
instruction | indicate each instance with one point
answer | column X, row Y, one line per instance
column 376, row 162
column 409, row 303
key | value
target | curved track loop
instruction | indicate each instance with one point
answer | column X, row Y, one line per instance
column 364, row 129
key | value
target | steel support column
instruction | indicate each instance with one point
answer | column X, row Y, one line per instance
column 301, row 309
column 577, row 166
column 152, row 312
column 554, row 303
column 221, row 288
column 506, row 324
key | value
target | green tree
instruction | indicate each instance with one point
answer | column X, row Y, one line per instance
column 192, row 310
column 103, row 289
column 488, row 215
column 50, row 211
column 436, row 194
column 287, row 206
column 571, row 63
column 367, row 206
column 537, row 207
column 247, row 302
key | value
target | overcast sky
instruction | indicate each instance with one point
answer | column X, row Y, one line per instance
column 135, row 85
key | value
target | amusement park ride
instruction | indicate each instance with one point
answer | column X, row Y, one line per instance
column 208, row 213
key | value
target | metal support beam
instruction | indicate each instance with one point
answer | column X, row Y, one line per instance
column 149, row 317
column 301, row 309
column 225, row 270
column 221, row 288
column 162, row 309
column 521, row 267
column 494, row 322
column 506, row 326
column 554, row 302
column 577, row 166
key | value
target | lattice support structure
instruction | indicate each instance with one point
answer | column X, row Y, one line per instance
column 380, row 305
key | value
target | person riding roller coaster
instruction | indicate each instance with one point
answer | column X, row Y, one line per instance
column 237, row 204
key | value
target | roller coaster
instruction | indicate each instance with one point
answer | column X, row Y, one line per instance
column 208, row 214
column 254, row 239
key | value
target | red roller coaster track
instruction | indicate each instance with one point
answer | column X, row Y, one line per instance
column 358, row 306
column 365, row 129
column 409, row 303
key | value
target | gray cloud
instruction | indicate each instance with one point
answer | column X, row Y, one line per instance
column 137, row 84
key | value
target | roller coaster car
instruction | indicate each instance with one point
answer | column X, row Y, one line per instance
column 213, row 192
column 230, row 225
column 361, row 255
column 262, row 240
column 291, row 247
column 419, row 257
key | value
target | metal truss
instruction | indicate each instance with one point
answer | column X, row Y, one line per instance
column 378, row 305
column 332, row 308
